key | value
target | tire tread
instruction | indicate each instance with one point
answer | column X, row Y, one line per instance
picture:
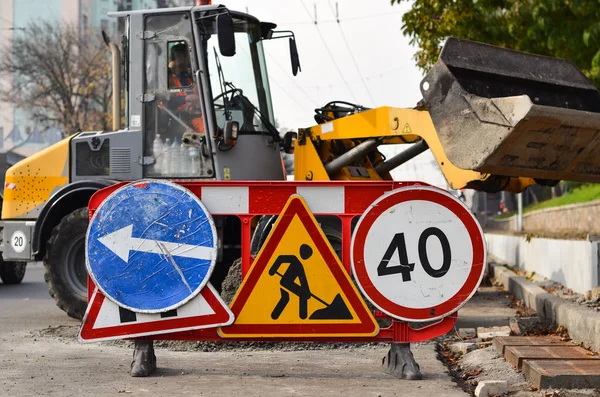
column 63, row 299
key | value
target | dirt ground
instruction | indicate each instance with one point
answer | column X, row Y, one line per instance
column 487, row 364
column 39, row 356
column 54, row 366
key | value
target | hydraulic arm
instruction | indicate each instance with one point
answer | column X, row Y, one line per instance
column 494, row 119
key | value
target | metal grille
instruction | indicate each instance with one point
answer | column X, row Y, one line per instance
column 120, row 160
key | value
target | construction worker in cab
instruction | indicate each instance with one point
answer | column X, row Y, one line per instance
column 185, row 102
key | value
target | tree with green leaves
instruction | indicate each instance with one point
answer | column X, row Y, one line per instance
column 568, row 29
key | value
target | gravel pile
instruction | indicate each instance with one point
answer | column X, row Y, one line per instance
column 229, row 288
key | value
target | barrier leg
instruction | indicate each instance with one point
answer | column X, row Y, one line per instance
column 144, row 360
column 401, row 363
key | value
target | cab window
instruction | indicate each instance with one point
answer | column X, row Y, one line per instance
column 179, row 67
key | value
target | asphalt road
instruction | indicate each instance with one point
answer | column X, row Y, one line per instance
column 34, row 363
column 28, row 306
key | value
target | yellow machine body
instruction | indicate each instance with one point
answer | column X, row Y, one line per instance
column 30, row 183
column 314, row 149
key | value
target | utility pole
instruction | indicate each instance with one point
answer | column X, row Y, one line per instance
column 519, row 212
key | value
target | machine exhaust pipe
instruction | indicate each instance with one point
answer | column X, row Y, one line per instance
column 357, row 152
column 402, row 157
column 116, row 82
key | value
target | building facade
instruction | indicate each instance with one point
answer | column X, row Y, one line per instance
column 175, row 3
column 16, row 15
column 87, row 15
column 127, row 5
column 100, row 17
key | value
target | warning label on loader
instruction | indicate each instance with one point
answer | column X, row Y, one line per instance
column 298, row 287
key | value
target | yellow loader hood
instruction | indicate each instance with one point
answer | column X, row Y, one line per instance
column 32, row 181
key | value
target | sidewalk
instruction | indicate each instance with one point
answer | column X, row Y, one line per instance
column 582, row 323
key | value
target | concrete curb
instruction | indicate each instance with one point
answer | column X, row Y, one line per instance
column 582, row 323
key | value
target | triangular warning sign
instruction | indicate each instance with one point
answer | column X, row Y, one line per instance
column 105, row 320
column 406, row 129
column 297, row 286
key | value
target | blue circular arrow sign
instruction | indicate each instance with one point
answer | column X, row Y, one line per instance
column 151, row 246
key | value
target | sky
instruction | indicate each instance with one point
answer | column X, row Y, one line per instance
column 363, row 59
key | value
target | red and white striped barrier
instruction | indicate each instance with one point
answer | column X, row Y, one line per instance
column 346, row 200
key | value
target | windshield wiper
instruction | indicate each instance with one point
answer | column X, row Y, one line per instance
column 222, row 84
column 266, row 122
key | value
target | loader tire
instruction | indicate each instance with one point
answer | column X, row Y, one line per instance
column 265, row 224
column 12, row 272
column 334, row 236
column 329, row 227
column 64, row 264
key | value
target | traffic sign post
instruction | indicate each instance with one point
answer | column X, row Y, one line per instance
column 418, row 253
column 151, row 246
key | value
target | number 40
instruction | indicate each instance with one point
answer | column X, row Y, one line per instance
column 405, row 267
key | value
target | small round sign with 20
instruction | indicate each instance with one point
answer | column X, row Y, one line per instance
column 18, row 241
column 418, row 253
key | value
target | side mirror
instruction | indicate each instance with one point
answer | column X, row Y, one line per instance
column 230, row 133
column 294, row 57
column 288, row 141
column 225, row 35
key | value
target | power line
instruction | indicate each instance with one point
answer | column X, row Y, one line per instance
column 371, row 16
column 351, row 54
column 5, row 20
column 367, row 78
column 329, row 51
column 271, row 78
column 11, row 25
column 288, row 76
column 303, row 106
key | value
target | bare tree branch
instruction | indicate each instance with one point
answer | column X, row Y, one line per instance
column 59, row 75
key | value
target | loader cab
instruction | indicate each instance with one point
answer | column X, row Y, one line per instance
column 236, row 91
column 197, row 100
column 201, row 92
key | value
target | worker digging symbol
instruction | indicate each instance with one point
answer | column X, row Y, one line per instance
column 336, row 310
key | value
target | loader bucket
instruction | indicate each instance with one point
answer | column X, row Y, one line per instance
column 511, row 113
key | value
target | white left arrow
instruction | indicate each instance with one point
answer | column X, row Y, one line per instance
column 120, row 242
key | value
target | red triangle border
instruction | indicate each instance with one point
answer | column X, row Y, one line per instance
column 367, row 325
column 88, row 333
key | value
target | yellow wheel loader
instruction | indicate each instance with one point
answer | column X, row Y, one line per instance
column 198, row 106
column 495, row 119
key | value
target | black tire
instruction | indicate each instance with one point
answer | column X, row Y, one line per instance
column 330, row 227
column 64, row 264
column 265, row 224
column 334, row 235
column 12, row 272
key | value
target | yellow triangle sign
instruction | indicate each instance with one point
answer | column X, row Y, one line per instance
column 297, row 286
column 406, row 129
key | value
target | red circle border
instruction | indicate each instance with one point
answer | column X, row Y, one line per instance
column 464, row 293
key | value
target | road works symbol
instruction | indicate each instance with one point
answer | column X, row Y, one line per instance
column 336, row 310
column 104, row 320
column 151, row 246
column 297, row 286
column 418, row 253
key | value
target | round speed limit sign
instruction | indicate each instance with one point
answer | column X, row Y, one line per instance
column 418, row 253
